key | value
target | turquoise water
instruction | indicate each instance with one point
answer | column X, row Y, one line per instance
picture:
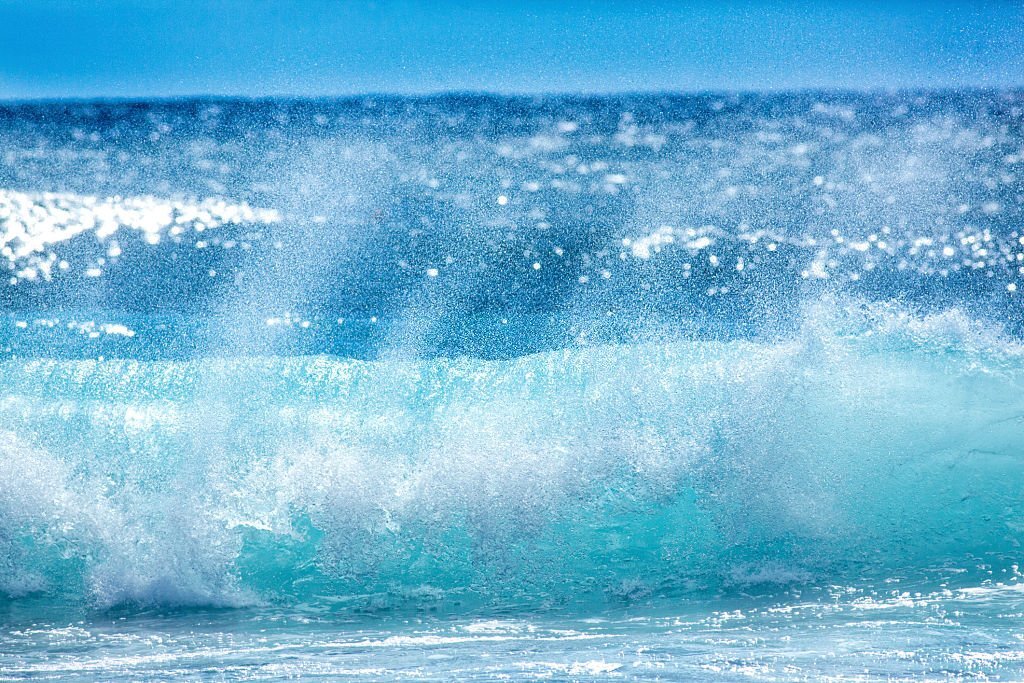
column 575, row 476
column 836, row 634
column 828, row 505
column 484, row 388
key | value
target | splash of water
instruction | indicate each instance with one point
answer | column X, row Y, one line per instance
column 874, row 439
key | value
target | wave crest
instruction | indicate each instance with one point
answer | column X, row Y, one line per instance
column 877, row 440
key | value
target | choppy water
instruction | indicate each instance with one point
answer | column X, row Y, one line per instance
column 479, row 387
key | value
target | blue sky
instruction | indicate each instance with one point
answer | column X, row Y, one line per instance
column 144, row 48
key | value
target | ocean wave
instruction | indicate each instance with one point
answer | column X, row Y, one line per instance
column 873, row 438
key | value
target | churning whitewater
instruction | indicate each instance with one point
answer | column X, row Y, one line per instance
column 596, row 474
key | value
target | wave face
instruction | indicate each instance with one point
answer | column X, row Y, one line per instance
column 883, row 444
column 389, row 353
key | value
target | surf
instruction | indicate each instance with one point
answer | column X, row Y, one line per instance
column 872, row 441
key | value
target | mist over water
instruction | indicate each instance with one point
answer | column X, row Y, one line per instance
column 469, row 370
column 717, row 214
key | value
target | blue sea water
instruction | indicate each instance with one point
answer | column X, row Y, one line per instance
column 476, row 387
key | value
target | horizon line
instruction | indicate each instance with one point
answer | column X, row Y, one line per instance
column 553, row 94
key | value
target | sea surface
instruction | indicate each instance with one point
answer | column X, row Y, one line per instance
column 472, row 387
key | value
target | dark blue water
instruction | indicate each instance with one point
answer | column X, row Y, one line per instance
column 483, row 387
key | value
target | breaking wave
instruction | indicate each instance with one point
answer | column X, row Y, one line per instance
column 873, row 438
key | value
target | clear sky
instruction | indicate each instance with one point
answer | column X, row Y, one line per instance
column 144, row 48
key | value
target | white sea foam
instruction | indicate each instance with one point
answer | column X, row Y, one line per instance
column 618, row 469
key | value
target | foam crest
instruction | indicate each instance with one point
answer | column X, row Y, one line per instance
column 603, row 473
